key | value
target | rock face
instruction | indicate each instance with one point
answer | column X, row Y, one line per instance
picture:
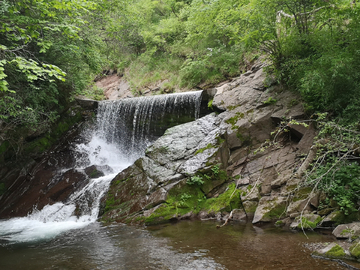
column 43, row 181
column 247, row 157
column 179, row 154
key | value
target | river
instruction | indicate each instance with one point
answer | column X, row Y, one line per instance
column 183, row 245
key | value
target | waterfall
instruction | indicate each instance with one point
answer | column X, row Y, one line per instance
column 124, row 129
column 132, row 124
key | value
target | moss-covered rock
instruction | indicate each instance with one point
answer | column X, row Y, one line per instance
column 336, row 252
column 355, row 250
column 270, row 209
column 347, row 231
column 307, row 222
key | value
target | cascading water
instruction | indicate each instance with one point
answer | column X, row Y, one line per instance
column 123, row 131
column 132, row 124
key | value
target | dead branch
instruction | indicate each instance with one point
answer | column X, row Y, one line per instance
column 227, row 220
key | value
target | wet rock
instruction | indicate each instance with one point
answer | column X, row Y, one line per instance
column 95, row 171
column 243, row 181
column 86, row 103
column 240, row 140
column 347, row 231
column 297, row 207
column 189, row 215
column 270, row 209
column 180, row 152
column 156, row 198
column 186, row 148
column 331, row 219
column 239, row 215
column 41, row 182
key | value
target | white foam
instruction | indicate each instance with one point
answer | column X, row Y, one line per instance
column 57, row 218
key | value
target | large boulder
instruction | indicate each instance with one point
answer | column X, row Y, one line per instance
column 181, row 152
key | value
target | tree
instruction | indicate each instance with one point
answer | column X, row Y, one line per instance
column 31, row 32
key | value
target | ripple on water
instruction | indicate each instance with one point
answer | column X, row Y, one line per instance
column 184, row 246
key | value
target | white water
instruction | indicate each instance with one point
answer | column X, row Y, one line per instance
column 111, row 144
column 55, row 219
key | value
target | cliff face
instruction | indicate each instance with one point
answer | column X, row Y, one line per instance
column 248, row 158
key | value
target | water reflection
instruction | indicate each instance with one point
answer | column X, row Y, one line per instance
column 97, row 247
column 184, row 246
column 244, row 246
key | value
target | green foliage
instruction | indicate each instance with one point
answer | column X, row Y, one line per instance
column 270, row 101
column 334, row 171
column 195, row 180
column 320, row 59
column 210, row 104
column 215, row 170
column 341, row 183
column 41, row 44
column 307, row 224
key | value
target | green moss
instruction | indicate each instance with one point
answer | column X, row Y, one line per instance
column 293, row 102
column 251, row 209
column 2, row 188
column 270, row 101
column 224, row 202
column 181, row 200
column 210, row 104
column 233, row 120
column 346, row 231
column 302, row 194
column 162, row 215
column 355, row 250
column 275, row 213
column 336, row 251
column 94, row 173
column 219, row 140
column 117, row 182
column 341, row 218
column 250, row 111
column 230, row 108
column 291, row 188
column 110, row 202
column 209, row 146
column 279, row 223
column 246, row 140
column 140, row 219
